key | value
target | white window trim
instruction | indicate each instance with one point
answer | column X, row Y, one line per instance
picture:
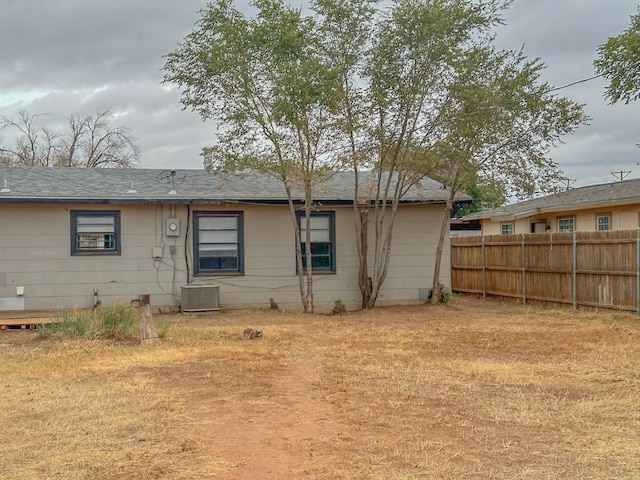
column 573, row 224
column 507, row 224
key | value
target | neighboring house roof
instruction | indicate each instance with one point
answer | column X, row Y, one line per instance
column 98, row 185
column 458, row 224
column 592, row 196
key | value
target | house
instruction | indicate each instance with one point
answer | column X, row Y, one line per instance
column 459, row 227
column 608, row 206
column 75, row 237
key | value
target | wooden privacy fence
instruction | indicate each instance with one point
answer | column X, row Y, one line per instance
column 594, row 269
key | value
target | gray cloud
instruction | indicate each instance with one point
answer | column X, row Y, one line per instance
column 65, row 57
column 65, row 43
column 566, row 35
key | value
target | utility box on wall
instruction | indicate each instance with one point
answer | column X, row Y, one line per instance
column 200, row 298
column 173, row 227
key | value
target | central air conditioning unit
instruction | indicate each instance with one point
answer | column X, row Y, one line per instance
column 200, row 298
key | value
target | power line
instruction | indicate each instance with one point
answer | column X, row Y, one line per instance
column 574, row 83
column 554, row 89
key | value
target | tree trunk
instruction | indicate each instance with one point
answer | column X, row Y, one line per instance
column 305, row 298
column 384, row 235
column 362, row 229
column 436, row 290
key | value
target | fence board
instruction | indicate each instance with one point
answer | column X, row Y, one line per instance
column 594, row 269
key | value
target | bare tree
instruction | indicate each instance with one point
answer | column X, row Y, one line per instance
column 33, row 146
column 91, row 141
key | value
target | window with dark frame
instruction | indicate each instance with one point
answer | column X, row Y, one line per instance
column 218, row 243
column 95, row 232
column 323, row 251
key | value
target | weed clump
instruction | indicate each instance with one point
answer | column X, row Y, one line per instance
column 119, row 322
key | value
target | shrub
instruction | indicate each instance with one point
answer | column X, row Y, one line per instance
column 445, row 295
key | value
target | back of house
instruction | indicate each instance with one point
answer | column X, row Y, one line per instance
column 73, row 237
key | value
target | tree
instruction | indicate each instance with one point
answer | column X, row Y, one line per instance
column 619, row 62
column 406, row 110
column 273, row 96
column 346, row 27
column 33, row 146
column 395, row 66
column 411, row 64
column 91, row 142
column 484, row 195
column 403, row 92
column 502, row 123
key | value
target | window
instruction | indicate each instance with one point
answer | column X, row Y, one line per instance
column 565, row 224
column 506, row 228
column 95, row 232
column 218, row 243
column 603, row 223
column 323, row 252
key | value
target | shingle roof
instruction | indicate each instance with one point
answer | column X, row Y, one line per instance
column 43, row 184
column 592, row 196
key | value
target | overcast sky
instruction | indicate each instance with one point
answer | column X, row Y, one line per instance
column 64, row 57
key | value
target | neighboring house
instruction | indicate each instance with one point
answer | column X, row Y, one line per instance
column 609, row 206
column 463, row 228
column 75, row 237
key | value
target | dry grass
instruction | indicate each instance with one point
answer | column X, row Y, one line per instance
column 473, row 389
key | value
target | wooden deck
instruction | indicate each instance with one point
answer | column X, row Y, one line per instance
column 24, row 320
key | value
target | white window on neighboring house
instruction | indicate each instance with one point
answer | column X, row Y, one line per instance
column 506, row 228
column 566, row 224
column 603, row 223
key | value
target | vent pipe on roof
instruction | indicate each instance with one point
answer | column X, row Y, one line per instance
column 169, row 176
column 5, row 189
column 173, row 183
column 132, row 190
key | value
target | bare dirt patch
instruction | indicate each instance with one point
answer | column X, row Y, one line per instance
column 472, row 389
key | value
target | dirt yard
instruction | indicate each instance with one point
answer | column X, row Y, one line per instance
column 473, row 389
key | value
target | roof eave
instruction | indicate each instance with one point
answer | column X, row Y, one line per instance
column 148, row 200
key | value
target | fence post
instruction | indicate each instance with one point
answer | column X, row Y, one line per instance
column 574, row 287
column 638, row 271
column 524, row 270
column 484, row 270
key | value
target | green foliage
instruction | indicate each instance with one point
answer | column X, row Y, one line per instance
column 407, row 89
column 118, row 322
column 445, row 296
column 484, row 195
column 619, row 61
column 502, row 122
column 265, row 82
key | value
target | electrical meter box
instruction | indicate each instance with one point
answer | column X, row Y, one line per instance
column 173, row 227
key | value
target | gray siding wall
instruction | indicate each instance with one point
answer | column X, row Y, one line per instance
column 35, row 254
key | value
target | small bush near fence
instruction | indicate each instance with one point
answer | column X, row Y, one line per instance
column 118, row 322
